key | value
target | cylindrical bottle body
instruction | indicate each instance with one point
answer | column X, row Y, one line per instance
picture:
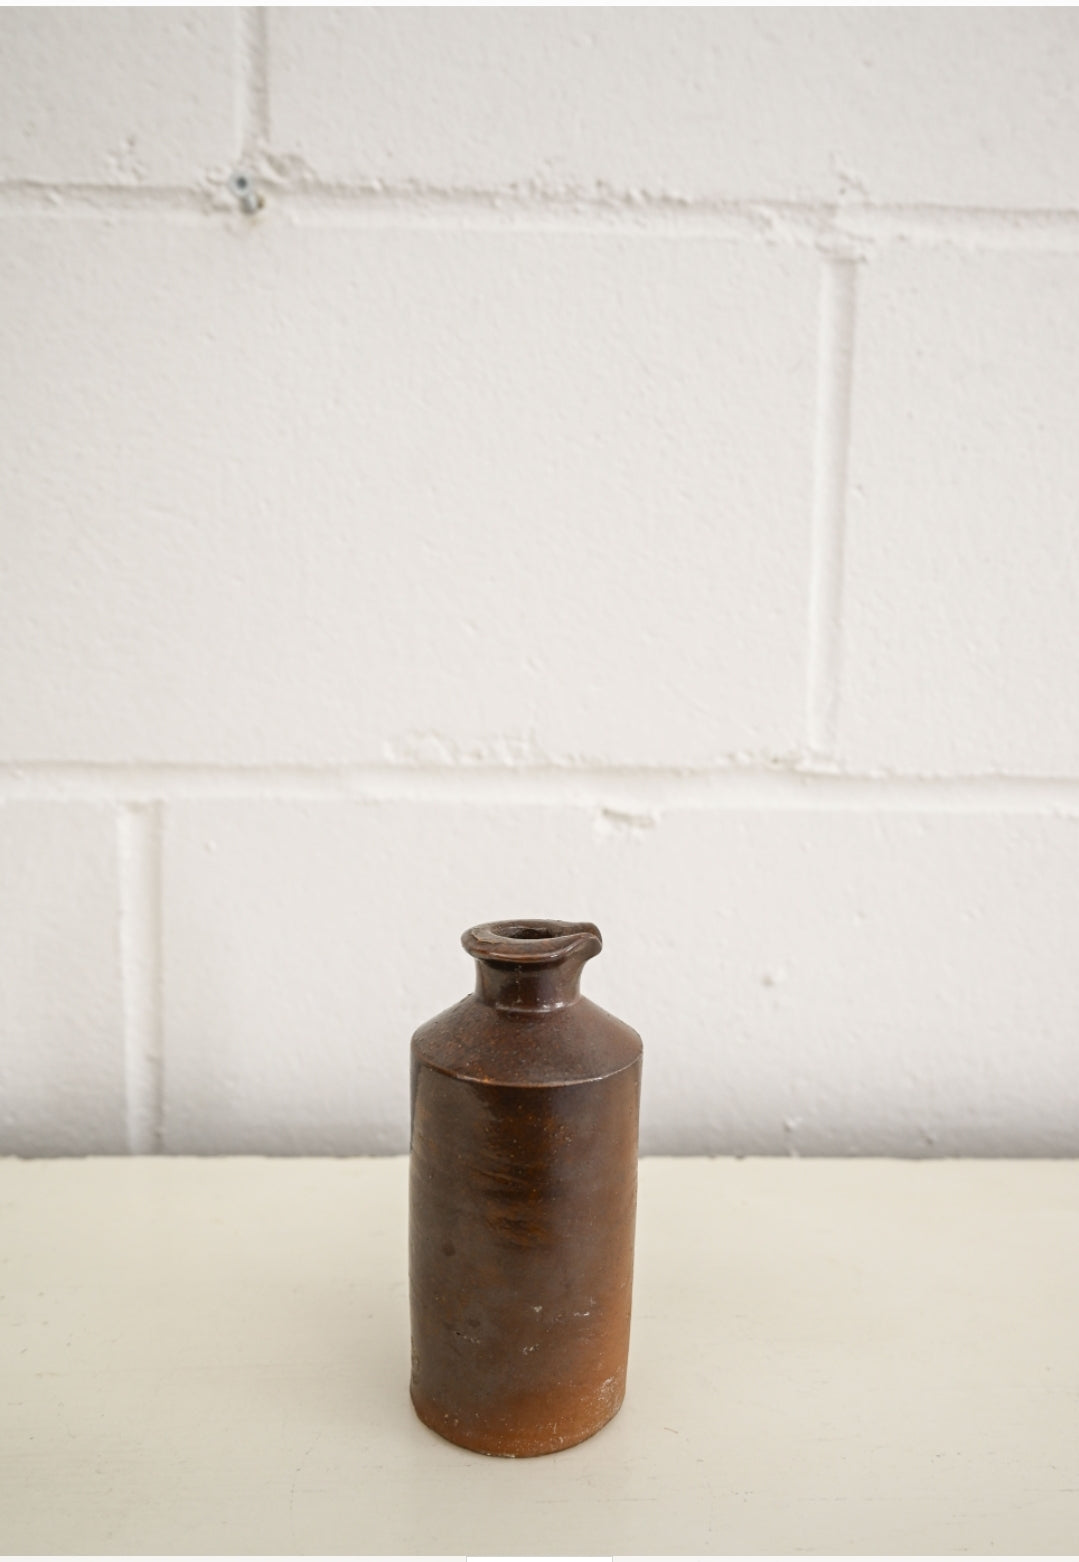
column 523, row 1203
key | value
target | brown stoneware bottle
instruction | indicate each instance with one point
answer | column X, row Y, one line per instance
column 523, row 1198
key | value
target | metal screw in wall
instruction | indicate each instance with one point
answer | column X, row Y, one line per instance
column 243, row 188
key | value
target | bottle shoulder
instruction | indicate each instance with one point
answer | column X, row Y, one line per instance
column 572, row 1045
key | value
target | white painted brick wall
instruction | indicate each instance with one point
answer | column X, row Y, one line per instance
column 375, row 485
column 936, row 106
column 832, row 981
column 626, row 469
column 115, row 95
column 62, row 1063
column 961, row 650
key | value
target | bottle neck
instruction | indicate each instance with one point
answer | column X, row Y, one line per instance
column 528, row 988
column 531, row 967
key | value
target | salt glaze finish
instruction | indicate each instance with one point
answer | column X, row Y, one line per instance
column 523, row 1194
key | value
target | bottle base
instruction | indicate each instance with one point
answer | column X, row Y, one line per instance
column 507, row 1441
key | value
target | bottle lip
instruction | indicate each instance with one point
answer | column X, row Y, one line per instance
column 532, row 941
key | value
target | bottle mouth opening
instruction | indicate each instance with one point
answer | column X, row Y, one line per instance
column 532, row 941
column 516, row 930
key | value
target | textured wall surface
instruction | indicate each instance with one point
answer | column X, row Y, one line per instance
column 617, row 464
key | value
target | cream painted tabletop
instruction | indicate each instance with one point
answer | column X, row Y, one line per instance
column 211, row 1356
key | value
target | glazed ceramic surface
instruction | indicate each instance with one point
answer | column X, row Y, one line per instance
column 523, row 1190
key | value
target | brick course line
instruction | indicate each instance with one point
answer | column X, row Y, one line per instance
column 630, row 790
column 851, row 229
